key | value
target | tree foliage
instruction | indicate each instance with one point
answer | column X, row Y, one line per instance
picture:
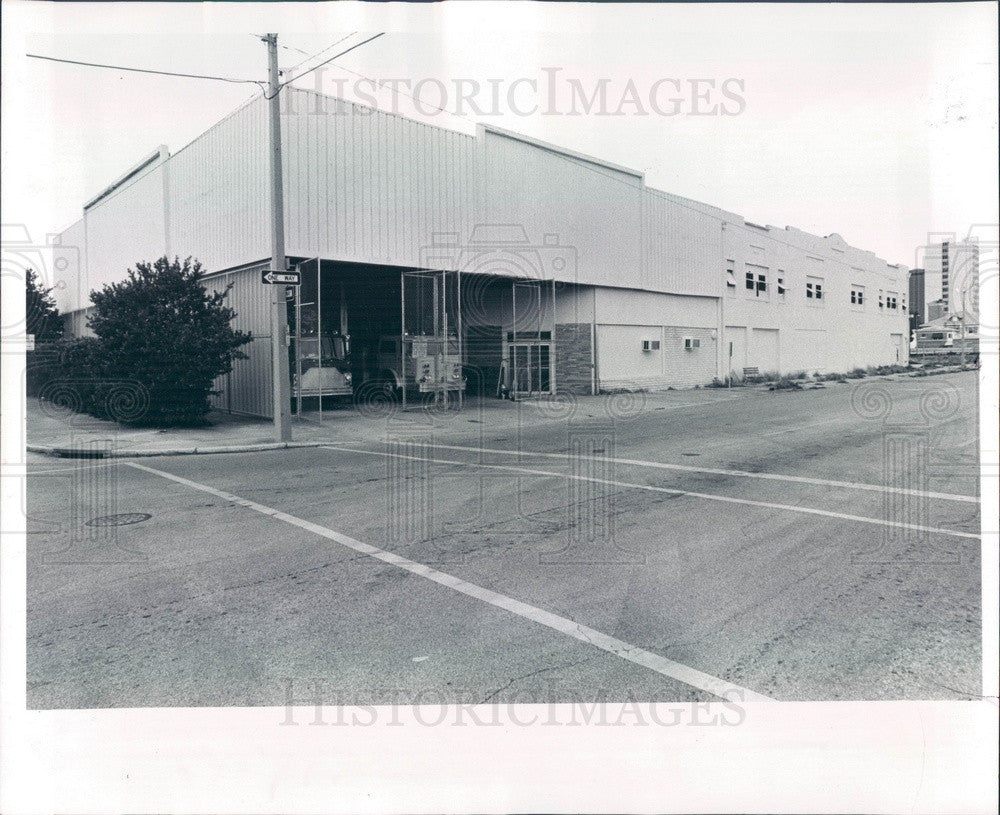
column 164, row 333
column 42, row 318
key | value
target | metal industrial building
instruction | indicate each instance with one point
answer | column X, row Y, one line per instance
column 564, row 272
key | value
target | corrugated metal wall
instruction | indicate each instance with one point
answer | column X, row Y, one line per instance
column 682, row 247
column 209, row 200
column 219, row 193
column 371, row 187
column 125, row 228
column 247, row 388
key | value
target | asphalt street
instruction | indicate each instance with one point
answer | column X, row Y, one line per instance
column 804, row 545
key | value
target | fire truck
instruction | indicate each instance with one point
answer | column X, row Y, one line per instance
column 427, row 364
column 323, row 368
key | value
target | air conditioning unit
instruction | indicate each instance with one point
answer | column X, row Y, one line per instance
column 691, row 343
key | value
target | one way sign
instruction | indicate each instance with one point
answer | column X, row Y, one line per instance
column 284, row 278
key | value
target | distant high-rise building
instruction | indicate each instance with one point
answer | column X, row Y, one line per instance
column 918, row 302
column 951, row 274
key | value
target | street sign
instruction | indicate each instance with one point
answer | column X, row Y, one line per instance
column 282, row 278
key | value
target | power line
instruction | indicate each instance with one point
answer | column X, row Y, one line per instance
column 319, row 53
column 331, row 59
column 256, row 82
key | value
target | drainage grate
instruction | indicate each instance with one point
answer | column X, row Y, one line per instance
column 124, row 519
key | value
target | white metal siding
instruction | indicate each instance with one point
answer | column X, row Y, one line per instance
column 247, row 388
column 124, row 229
column 218, row 192
column 371, row 187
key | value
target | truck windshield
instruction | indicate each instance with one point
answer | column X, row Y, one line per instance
column 338, row 348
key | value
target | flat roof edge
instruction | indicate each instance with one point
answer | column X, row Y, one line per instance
column 160, row 153
column 554, row 148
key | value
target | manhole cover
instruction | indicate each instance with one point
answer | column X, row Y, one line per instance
column 124, row 519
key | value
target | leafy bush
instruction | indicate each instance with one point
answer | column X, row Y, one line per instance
column 66, row 373
column 163, row 339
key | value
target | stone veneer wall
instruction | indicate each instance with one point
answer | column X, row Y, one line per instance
column 573, row 363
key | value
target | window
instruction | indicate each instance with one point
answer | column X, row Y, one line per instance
column 756, row 280
column 730, row 276
column 857, row 295
column 891, row 300
column 781, row 284
column 814, row 288
column 881, row 304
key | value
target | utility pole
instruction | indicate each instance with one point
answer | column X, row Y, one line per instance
column 279, row 314
column 961, row 319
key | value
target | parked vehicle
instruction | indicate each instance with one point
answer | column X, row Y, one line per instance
column 427, row 364
column 326, row 370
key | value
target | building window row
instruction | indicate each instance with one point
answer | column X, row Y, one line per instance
column 755, row 282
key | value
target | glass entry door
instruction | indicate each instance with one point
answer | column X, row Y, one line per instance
column 530, row 368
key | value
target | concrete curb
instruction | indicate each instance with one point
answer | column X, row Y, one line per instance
column 71, row 452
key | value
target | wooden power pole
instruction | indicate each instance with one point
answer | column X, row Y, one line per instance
column 279, row 315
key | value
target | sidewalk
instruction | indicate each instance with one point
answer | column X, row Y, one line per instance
column 56, row 432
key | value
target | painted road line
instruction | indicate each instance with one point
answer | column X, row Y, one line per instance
column 823, row 482
column 590, row 636
column 704, row 495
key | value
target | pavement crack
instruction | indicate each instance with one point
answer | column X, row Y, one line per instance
column 493, row 694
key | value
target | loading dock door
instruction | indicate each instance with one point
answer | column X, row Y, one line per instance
column 764, row 350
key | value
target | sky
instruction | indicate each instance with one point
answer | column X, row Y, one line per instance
column 878, row 122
